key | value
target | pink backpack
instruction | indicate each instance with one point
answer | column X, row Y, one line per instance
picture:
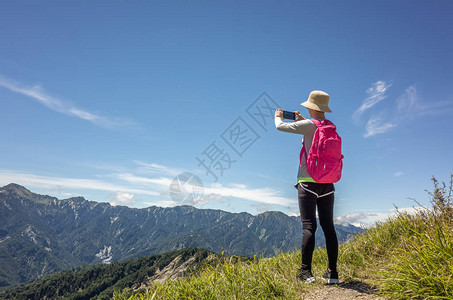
column 324, row 161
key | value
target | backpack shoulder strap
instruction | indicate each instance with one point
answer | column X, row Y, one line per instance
column 304, row 150
column 320, row 123
column 316, row 122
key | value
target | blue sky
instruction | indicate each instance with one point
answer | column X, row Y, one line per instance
column 112, row 100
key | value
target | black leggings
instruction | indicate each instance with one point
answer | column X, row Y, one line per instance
column 321, row 195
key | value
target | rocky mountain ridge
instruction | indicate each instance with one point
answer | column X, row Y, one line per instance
column 41, row 234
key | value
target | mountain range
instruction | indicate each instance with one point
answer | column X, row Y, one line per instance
column 40, row 234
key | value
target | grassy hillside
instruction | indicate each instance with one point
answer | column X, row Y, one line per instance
column 406, row 257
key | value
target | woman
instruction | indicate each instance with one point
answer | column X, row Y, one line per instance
column 312, row 194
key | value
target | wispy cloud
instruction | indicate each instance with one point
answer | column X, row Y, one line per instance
column 409, row 105
column 375, row 125
column 121, row 198
column 376, row 94
column 273, row 178
column 125, row 185
column 261, row 195
column 52, row 182
column 406, row 107
column 145, row 181
column 37, row 93
column 149, row 167
column 214, row 192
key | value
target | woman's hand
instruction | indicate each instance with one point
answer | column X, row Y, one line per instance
column 279, row 113
column 298, row 116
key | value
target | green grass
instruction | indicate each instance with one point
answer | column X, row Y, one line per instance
column 232, row 278
column 406, row 257
column 421, row 267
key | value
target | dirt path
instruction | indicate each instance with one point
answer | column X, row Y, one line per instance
column 350, row 290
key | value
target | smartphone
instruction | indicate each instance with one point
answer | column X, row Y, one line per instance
column 289, row 115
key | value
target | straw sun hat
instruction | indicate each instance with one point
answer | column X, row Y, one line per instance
column 318, row 100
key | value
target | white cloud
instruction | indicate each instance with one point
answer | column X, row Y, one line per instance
column 36, row 92
column 376, row 94
column 293, row 213
column 410, row 210
column 121, row 198
column 398, row 174
column 375, row 125
column 159, row 182
column 370, row 218
column 354, row 218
